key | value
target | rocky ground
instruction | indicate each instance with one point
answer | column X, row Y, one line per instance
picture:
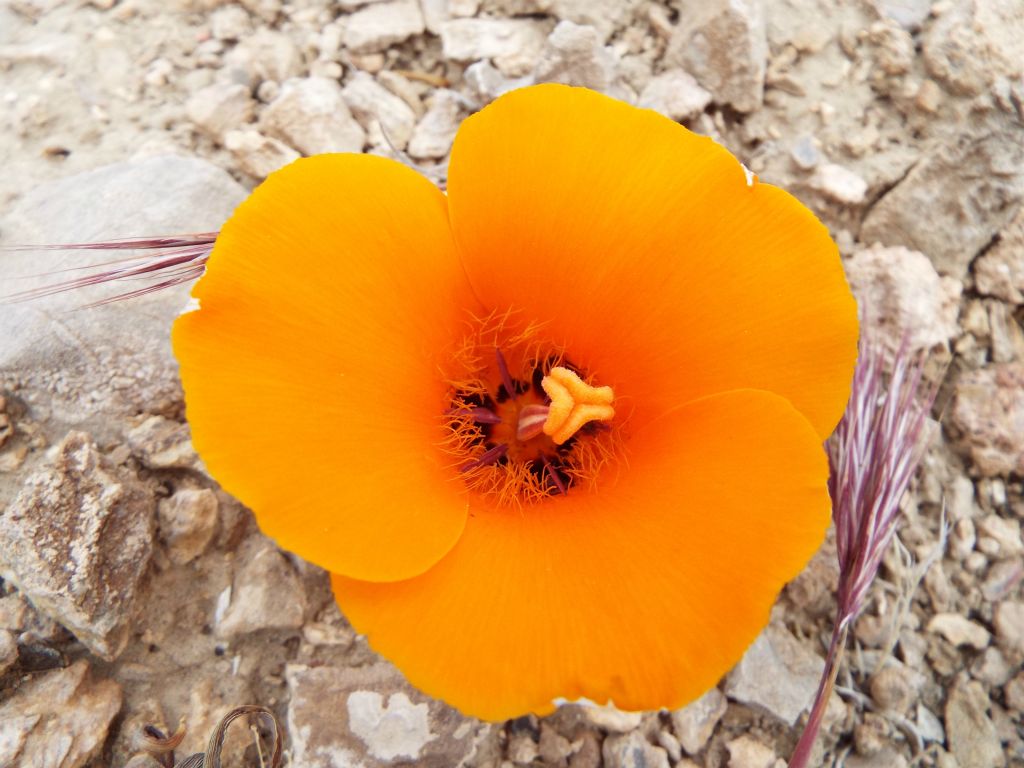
column 134, row 591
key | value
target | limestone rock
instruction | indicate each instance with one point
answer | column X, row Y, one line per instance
column 220, row 107
column 1009, row 626
column 266, row 593
column 435, row 132
column 909, row 14
column 695, row 723
column 311, row 116
column 258, row 155
column 63, row 360
column 188, row 521
column 675, row 94
column 839, row 184
column 576, row 55
column 266, row 55
column 375, row 719
column 971, row 189
column 58, row 720
column 724, row 45
column 999, row 271
column 777, row 674
column 486, row 83
column 988, row 411
column 381, row 25
column 612, row 719
column 161, row 443
column 513, row 44
column 76, row 542
column 976, row 46
column 386, row 118
column 959, row 630
column 747, row 752
column 632, row 750
column 230, row 23
column 902, row 295
column 972, row 737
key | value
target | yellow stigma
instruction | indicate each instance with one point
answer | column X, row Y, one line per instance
column 573, row 404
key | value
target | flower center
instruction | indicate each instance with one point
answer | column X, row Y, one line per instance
column 523, row 423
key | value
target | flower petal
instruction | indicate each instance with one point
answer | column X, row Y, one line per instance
column 642, row 242
column 310, row 369
column 644, row 593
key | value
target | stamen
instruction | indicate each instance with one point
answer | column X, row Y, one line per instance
column 531, row 422
column 506, row 377
column 553, row 474
column 483, row 415
column 489, row 457
column 574, row 403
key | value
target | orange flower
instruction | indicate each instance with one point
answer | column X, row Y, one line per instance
column 556, row 435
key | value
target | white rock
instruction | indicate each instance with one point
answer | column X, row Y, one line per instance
column 379, row 26
column 971, row 735
column 76, row 542
column 575, row 55
column 266, row 55
column 311, row 116
column 1009, row 625
column 486, row 83
column 777, row 674
column 161, row 443
column 603, row 15
column 220, row 107
column 374, row 720
column 256, row 154
column 909, row 14
column 959, row 630
column 435, row 13
column 267, row 10
column 1005, row 532
column 436, row 130
column 612, row 719
column 723, row 44
column 58, row 720
column 999, row 271
column 675, row 94
column 266, row 593
column 988, row 413
column 747, row 752
column 230, row 22
column 391, row 730
column 188, row 520
column 63, row 359
column 513, row 44
column 839, row 184
column 695, row 723
column 379, row 111
column 901, row 294
column 972, row 186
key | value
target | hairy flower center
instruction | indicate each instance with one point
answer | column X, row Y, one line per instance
column 524, row 425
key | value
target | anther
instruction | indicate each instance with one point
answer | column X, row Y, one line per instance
column 574, row 403
column 506, row 377
column 488, row 457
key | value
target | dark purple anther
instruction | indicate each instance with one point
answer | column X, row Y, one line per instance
column 489, row 457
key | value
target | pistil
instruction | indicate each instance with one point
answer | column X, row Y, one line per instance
column 574, row 403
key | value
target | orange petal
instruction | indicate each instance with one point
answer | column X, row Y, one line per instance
column 644, row 593
column 642, row 245
column 310, row 370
